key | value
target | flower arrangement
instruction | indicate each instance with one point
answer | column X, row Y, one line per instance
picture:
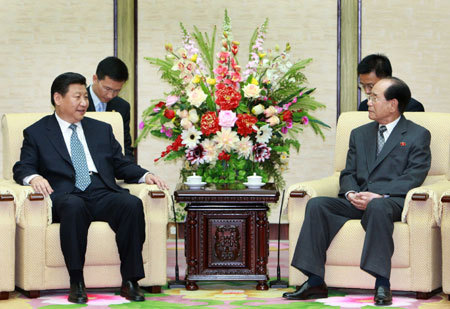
column 225, row 121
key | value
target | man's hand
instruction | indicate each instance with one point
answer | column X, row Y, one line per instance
column 41, row 185
column 361, row 199
column 153, row 179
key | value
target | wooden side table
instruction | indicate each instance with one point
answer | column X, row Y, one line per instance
column 227, row 234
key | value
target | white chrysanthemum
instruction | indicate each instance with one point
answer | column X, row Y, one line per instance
column 190, row 137
column 226, row 139
column 210, row 148
column 244, row 147
column 264, row 134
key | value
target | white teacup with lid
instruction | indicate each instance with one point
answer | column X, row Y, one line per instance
column 255, row 179
column 194, row 182
column 194, row 179
column 254, row 182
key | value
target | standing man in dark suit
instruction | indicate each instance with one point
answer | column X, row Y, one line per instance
column 386, row 158
column 110, row 76
column 373, row 68
column 75, row 161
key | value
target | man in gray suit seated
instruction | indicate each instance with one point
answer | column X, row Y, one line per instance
column 386, row 158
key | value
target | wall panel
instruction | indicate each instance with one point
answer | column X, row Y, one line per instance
column 41, row 39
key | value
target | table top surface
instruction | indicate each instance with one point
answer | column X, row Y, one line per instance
column 227, row 193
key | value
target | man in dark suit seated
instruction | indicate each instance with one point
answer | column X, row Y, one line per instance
column 386, row 158
column 373, row 68
column 75, row 161
column 110, row 76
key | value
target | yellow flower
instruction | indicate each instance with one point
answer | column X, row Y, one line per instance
column 194, row 58
column 211, row 81
column 261, row 55
column 254, row 81
column 196, row 79
column 235, row 43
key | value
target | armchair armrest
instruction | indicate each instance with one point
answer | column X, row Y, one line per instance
column 300, row 193
column 426, row 196
column 29, row 211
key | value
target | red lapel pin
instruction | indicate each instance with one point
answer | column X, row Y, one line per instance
column 402, row 144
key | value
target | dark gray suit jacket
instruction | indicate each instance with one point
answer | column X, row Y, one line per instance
column 402, row 165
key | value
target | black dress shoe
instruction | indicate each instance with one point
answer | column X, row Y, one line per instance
column 77, row 293
column 131, row 291
column 383, row 296
column 306, row 291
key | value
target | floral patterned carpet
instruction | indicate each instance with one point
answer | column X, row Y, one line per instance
column 221, row 295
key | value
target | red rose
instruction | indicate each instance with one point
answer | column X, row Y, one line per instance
column 169, row 113
column 160, row 104
column 287, row 116
column 245, row 123
column 223, row 156
column 209, row 123
column 227, row 98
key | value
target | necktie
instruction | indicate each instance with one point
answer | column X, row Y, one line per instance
column 381, row 140
column 82, row 178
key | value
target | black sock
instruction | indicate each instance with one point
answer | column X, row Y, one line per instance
column 382, row 281
column 76, row 276
column 315, row 280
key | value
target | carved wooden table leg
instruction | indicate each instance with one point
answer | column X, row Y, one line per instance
column 191, row 286
column 262, row 286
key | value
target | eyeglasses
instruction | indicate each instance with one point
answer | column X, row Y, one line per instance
column 365, row 86
column 109, row 90
column 373, row 98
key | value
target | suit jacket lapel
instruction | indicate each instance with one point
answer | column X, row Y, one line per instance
column 393, row 140
column 56, row 138
column 91, row 107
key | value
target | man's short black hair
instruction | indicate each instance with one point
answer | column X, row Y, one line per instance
column 398, row 90
column 62, row 82
column 377, row 63
column 112, row 67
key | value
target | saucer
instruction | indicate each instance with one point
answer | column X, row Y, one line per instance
column 254, row 185
column 195, row 186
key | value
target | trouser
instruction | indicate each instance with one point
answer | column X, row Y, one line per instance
column 324, row 217
column 124, row 213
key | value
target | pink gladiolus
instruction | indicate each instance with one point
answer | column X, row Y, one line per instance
column 223, row 57
column 305, row 120
column 141, row 125
column 284, row 130
column 294, row 100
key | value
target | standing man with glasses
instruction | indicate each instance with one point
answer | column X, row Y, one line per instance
column 386, row 158
column 373, row 68
column 110, row 76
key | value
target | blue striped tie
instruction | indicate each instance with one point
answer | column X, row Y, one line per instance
column 82, row 178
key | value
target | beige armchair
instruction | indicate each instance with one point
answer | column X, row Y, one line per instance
column 39, row 260
column 7, row 242
column 416, row 263
column 445, row 234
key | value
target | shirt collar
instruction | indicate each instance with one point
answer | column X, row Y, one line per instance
column 64, row 125
column 96, row 100
column 390, row 126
